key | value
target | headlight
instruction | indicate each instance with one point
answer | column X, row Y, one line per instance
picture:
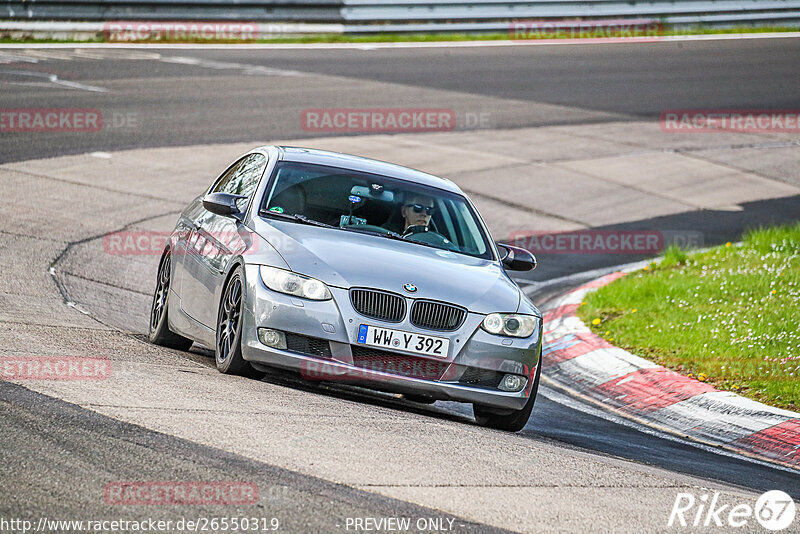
column 509, row 324
column 290, row 283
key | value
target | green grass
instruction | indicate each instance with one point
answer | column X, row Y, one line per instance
column 729, row 316
column 405, row 37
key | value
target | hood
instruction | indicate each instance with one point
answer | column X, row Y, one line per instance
column 350, row 259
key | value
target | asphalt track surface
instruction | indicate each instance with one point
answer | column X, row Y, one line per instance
column 219, row 96
column 238, row 95
column 70, row 439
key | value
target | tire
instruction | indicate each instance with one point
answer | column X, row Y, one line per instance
column 228, row 346
column 516, row 419
column 159, row 332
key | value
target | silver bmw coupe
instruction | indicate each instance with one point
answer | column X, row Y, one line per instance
column 347, row 269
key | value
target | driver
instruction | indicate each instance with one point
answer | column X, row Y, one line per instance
column 417, row 211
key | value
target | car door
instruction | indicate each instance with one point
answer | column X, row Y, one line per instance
column 213, row 241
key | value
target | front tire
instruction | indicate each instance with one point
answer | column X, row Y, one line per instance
column 228, row 353
column 516, row 419
column 159, row 332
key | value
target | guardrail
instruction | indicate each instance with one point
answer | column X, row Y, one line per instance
column 364, row 16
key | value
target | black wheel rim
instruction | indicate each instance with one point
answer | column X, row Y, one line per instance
column 229, row 319
column 160, row 296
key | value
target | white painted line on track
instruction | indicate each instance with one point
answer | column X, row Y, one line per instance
column 439, row 44
column 52, row 79
column 223, row 65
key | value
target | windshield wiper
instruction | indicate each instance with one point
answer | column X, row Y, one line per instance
column 391, row 235
column 296, row 217
column 388, row 234
column 306, row 220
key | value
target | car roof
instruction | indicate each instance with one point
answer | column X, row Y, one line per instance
column 358, row 163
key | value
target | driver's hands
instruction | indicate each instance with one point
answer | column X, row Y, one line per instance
column 415, row 229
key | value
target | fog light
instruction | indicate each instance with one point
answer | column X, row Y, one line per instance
column 272, row 338
column 512, row 383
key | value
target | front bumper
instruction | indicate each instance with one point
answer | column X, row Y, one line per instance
column 472, row 351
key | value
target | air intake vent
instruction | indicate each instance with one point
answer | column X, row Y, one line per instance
column 310, row 346
column 379, row 304
column 486, row 378
column 397, row 364
column 437, row 315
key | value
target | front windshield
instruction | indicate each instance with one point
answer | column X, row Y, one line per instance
column 370, row 203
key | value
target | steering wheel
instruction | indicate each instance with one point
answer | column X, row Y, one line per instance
column 416, row 229
column 422, row 234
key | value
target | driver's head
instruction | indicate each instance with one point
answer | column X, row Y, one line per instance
column 417, row 210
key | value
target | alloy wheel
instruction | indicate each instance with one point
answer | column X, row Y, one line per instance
column 229, row 319
column 160, row 296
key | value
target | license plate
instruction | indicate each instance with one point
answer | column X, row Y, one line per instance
column 386, row 338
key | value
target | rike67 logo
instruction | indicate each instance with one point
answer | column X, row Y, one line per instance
column 774, row 510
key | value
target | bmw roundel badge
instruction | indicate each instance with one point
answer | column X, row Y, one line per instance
column 411, row 288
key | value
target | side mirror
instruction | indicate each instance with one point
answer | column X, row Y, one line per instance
column 223, row 204
column 516, row 259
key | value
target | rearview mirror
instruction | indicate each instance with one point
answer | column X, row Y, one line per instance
column 374, row 192
column 223, row 204
column 516, row 259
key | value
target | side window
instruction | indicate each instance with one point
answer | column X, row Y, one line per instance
column 242, row 178
column 226, row 178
